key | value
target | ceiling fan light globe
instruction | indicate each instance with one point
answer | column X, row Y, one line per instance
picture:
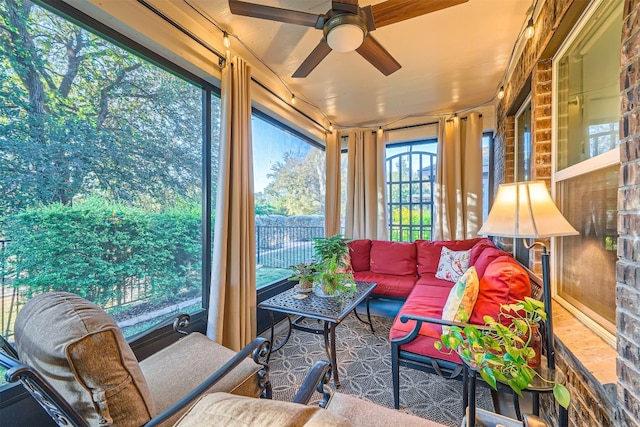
column 345, row 37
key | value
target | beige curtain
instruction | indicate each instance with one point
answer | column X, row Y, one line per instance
column 332, row 193
column 458, row 195
column 232, row 306
column 366, row 197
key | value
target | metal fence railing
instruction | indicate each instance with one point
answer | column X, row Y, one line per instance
column 277, row 247
column 280, row 247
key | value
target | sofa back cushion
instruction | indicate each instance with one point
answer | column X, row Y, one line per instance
column 398, row 258
column 79, row 348
column 485, row 258
column 504, row 282
column 428, row 252
column 360, row 254
column 478, row 248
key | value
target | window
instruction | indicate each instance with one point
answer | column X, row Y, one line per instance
column 487, row 172
column 411, row 172
column 524, row 151
column 587, row 94
column 105, row 149
column 289, row 181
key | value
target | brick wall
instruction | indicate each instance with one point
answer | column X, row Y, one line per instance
column 593, row 404
column 628, row 267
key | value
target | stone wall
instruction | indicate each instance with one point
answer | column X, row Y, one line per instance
column 593, row 404
column 628, row 267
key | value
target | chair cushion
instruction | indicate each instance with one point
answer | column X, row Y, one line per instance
column 452, row 264
column 362, row 413
column 428, row 252
column 360, row 254
column 504, row 282
column 388, row 284
column 222, row 409
column 79, row 348
column 176, row 370
column 398, row 258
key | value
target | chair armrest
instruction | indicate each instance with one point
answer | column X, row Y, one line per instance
column 39, row 388
column 404, row 318
column 316, row 379
column 258, row 349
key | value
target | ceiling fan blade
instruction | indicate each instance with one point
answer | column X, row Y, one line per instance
column 312, row 61
column 350, row 6
column 276, row 14
column 378, row 56
column 392, row 11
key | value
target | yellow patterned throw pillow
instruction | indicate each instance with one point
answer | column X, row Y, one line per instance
column 462, row 298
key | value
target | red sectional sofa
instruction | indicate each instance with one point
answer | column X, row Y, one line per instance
column 408, row 271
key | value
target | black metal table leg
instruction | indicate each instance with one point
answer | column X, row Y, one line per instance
column 330, row 348
column 370, row 323
column 284, row 341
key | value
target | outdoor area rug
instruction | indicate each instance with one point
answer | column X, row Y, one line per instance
column 364, row 366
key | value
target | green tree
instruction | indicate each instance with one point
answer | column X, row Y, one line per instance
column 297, row 184
column 82, row 116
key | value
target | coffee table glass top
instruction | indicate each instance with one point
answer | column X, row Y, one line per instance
column 330, row 309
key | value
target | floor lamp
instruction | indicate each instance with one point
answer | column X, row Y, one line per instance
column 525, row 210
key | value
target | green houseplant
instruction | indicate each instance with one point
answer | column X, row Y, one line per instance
column 326, row 248
column 304, row 273
column 332, row 254
column 500, row 351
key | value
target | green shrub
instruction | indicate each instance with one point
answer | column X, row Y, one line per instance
column 98, row 249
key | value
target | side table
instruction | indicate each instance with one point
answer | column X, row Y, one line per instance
column 537, row 386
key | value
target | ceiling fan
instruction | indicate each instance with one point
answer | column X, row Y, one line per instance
column 347, row 27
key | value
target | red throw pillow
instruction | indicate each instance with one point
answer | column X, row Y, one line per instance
column 504, row 282
column 397, row 258
column 360, row 254
column 428, row 252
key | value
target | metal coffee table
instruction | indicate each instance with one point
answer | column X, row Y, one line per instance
column 330, row 310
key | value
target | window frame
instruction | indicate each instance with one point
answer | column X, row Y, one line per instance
column 601, row 161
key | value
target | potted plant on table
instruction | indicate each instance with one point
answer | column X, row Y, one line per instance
column 500, row 351
column 332, row 255
column 305, row 274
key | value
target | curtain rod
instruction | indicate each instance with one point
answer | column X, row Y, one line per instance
column 221, row 58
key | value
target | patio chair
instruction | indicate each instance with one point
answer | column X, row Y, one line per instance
column 75, row 361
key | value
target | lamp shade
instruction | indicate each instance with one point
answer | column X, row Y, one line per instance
column 525, row 209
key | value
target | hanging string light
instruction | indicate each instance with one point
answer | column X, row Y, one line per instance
column 501, row 92
column 530, row 30
column 225, row 40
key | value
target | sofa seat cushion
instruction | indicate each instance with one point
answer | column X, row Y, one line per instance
column 360, row 252
column 388, row 284
column 425, row 301
column 430, row 279
column 222, row 409
column 504, row 282
column 428, row 252
column 397, row 258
